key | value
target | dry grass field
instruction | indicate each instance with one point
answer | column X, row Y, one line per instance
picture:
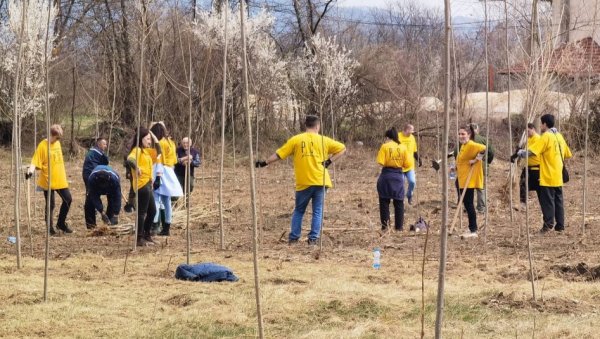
column 336, row 294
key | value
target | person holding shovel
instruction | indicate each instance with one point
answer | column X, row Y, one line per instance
column 311, row 152
column 392, row 156
column 469, row 170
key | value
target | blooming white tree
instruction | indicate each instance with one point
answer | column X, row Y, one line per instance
column 267, row 69
column 322, row 75
column 31, row 34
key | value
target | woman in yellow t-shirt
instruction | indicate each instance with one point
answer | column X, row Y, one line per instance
column 141, row 160
column 392, row 156
column 469, row 159
column 170, row 186
column 58, row 177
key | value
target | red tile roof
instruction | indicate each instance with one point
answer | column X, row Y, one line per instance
column 570, row 59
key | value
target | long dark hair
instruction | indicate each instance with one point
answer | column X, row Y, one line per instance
column 159, row 130
column 137, row 139
column 470, row 129
column 392, row 133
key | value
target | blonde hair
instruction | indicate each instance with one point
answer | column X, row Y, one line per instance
column 56, row 130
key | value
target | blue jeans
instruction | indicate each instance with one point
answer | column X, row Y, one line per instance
column 412, row 182
column 165, row 202
column 316, row 194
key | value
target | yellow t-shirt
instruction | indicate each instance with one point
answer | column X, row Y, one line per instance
column 411, row 146
column 57, row 165
column 169, row 156
column 551, row 164
column 533, row 160
column 393, row 155
column 468, row 152
column 144, row 161
column 307, row 149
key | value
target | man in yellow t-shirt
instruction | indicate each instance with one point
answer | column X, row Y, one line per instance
column 58, row 177
column 532, row 168
column 551, row 150
column 407, row 139
column 311, row 153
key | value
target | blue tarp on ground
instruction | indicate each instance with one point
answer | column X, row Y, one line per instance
column 205, row 272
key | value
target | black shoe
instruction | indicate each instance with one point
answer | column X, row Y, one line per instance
column 114, row 220
column 401, row 229
column 52, row 230
column 141, row 242
column 545, row 230
column 149, row 240
column 312, row 242
column 165, row 230
column 292, row 241
column 65, row 228
column 154, row 229
column 90, row 226
column 560, row 230
column 129, row 208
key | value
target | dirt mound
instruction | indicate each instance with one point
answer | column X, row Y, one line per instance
column 180, row 300
column 579, row 272
column 551, row 305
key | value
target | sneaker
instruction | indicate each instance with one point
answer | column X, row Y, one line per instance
column 469, row 235
column 52, row 230
column 481, row 210
column 401, row 229
column 410, row 200
column 560, row 230
column 155, row 228
column 313, row 242
column 523, row 206
column 129, row 208
column 141, row 242
column 545, row 230
column 90, row 226
column 292, row 241
column 65, row 228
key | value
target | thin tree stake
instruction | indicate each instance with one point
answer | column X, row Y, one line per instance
column 261, row 333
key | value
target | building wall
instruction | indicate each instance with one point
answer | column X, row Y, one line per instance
column 582, row 17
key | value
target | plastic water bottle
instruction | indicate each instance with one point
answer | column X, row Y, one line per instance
column 376, row 258
column 452, row 173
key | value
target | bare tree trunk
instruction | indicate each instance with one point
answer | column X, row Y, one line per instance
column 223, row 122
column 261, row 333
column 510, row 136
column 48, row 123
column 72, row 144
column 16, row 155
column 439, row 316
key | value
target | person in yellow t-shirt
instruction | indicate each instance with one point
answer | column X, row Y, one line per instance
column 551, row 150
column 469, row 159
column 311, row 153
column 140, row 160
column 58, row 177
column 532, row 176
column 392, row 156
column 170, row 186
column 407, row 138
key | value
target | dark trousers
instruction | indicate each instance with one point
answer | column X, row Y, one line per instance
column 131, row 195
column 534, row 185
column 470, row 207
column 384, row 213
column 551, row 202
column 146, row 210
column 113, row 208
column 65, row 195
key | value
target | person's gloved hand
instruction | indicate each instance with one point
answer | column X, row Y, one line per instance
column 156, row 184
column 105, row 218
column 514, row 157
column 28, row 175
column 521, row 153
column 260, row 163
column 327, row 162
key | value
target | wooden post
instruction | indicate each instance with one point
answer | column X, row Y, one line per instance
column 225, row 11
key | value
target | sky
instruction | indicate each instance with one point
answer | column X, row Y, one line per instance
column 466, row 8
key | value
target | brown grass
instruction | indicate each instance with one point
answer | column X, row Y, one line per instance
column 337, row 295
